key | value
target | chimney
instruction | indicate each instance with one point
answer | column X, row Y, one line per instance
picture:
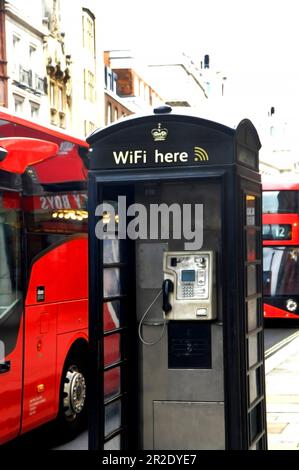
column 206, row 61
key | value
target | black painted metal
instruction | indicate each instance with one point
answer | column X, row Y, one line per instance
column 96, row 330
column 233, row 163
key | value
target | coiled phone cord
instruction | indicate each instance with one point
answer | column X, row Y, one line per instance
column 147, row 343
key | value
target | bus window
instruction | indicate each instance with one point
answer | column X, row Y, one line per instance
column 11, row 308
column 280, row 202
column 51, row 218
column 281, row 270
column 10, row 280
column 64, row 213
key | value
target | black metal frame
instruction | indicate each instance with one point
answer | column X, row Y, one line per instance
column 235, row 179
column 97, row 335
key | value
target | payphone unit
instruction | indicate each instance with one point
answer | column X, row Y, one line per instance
column 188, row 285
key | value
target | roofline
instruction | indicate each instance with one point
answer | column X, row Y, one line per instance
column 278, row 183
column 7, row 115
column 189, row 72
column 171, row 116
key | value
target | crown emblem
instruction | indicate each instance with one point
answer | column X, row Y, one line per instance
column 159, row 133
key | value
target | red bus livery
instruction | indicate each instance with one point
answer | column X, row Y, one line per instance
column 44, row 280
column 281, row 248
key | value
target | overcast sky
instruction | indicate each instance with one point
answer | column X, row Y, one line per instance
column 255, row 42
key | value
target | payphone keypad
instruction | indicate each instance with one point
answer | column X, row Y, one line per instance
column 188, row 291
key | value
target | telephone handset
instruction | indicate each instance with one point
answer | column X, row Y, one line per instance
column 188, row 285
column 167, row 288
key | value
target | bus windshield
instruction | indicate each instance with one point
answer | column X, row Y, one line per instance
column 281, row 270
column 280, row 202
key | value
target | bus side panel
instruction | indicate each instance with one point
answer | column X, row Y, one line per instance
column 72, row 316
column 61, row 273
column 11, row 392
column 56, row 303
column 281, row 219
column 40, row 365
column 274, row 312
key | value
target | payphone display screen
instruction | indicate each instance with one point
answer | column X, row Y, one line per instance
column 188, row 275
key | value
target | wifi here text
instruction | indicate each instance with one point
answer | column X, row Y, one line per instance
column 135, row 157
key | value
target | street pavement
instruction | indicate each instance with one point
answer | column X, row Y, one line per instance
column 282, row 396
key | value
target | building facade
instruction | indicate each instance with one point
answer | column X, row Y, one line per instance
column 51, row 66
column 127, row 89
column 24, row 38
column 114, row 108
column 3, row 58
column 53, row 70
column 79, row 26
column 179, row 80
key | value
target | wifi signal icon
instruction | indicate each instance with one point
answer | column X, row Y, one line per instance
column 200, row 155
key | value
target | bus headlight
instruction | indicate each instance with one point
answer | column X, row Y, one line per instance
column 291, row 305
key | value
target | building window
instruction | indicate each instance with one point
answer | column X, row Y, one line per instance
column 89, row 127
column 53, row 102
column 34, row 110
column 19, row 103
column 16, row 43
column 16, row 40
column 88, row 30
column 115, row 114
column 136, row 86
column 52, row 94
column 61, row 101
column 110, row 80
column 57, row 92
column 109, row 114
column 89, row 85
column 61, row 105
column 62, row 120
column 32, row 53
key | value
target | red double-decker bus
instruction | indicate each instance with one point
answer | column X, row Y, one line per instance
column 44, row 280
column 281, row 247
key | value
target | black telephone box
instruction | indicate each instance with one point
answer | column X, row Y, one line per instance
column 176, row 318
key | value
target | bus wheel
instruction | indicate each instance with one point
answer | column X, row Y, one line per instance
column 73, row 401
column 74, row 392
